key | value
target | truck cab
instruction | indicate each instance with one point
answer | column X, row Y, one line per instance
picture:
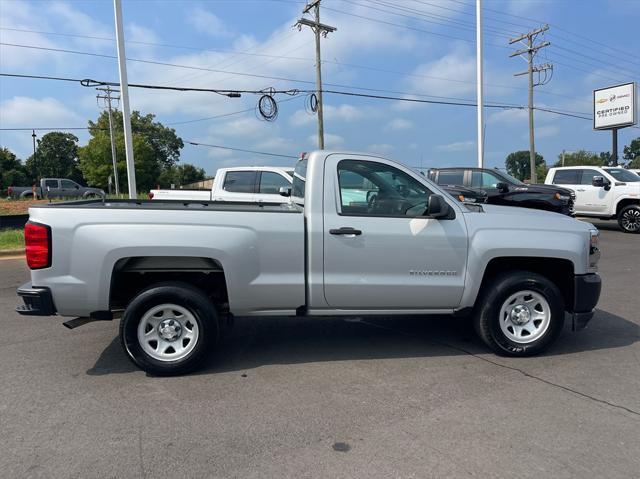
column 602, row 192
column 252, row 184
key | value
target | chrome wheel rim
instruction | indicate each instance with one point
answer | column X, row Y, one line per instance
column 631, row 220
column 525, row 316
column 168, row 332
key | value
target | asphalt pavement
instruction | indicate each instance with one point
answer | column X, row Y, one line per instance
column 336, row 398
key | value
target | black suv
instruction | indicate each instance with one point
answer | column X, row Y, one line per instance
column 504, row 189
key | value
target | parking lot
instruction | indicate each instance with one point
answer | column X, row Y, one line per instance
column 292, row 397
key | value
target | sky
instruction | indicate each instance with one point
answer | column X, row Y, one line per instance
column 402, row 48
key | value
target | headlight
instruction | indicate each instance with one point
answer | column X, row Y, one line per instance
column 562, row 197
column 594, row 250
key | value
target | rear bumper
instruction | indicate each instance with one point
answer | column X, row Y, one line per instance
column 37, row 301
column 586, row 295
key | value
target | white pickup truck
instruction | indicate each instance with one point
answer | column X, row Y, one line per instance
column 605, row 193
column 360, row 235
column 253, row 184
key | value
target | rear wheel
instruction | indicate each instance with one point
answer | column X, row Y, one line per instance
column 629, row 219
column 168, row 328
column 520, row 313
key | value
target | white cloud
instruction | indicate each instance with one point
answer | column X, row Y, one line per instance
column 510, row 116
column 344, row 112
column 21, row 110
column 206, row 22
column 381, row 148
column 434, row 78
column 545, row 131
column 457, row 146
column 330, row 141
column 398, row 124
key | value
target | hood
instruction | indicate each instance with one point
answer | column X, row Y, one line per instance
column 538, row 188
column 515, row 218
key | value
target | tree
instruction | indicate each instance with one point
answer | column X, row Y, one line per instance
column 582, row 158
column 56, row 157
column 631, row 153
column 181, row 175
column 156, row 148
column 12, row 172
column 518, row 164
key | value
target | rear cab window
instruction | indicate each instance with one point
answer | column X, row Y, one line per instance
column 240, row 181
column 451, row 177
column 53, row 184
column 567, row 177
column 299, row 181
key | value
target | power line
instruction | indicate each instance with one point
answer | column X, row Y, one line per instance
column 255, row 152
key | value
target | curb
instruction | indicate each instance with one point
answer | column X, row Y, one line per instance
column 11, row 252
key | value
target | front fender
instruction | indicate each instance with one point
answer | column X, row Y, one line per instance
column 489, row 244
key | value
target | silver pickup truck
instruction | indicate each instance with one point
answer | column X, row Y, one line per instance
column 358, row 235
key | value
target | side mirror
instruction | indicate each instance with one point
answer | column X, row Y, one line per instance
column 77, row 187
column 502, row 187
column 598, row 181
column 437, row 207
column 285, row 191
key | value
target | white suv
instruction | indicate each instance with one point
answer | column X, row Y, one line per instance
column 605, row 193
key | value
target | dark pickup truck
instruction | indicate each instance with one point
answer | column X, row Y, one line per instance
column 54, row 188
column 503, row 189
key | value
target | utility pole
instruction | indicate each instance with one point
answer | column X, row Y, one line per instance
column 319, row 29
column 531, row 50
column 107, row 97
column 479, row 80
column 126, row 111
column 614, row 147
column 35, row 161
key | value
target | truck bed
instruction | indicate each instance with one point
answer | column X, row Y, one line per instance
column 284, row 207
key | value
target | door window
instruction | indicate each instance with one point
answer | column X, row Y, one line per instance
column 587, row 176
column 566, row 177
column 53, row 184
column 240, row 181
column 68, row 184
column 484, row 179
column 270, row 183
column 375, row 189
column 453, row 177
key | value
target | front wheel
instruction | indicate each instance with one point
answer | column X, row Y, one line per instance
column 629, row 219
column 520, row 313
column 168, row 328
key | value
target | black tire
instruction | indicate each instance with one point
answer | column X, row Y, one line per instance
column 494, row 295
column 629, row 219
column 176, row 293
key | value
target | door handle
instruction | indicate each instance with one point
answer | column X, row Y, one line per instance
column 346, row 230
column 581, row 189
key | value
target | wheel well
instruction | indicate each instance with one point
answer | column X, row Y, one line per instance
column 559, row 271
column 132, row 275
column 624, row 203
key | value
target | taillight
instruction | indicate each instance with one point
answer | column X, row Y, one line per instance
column 37, row 240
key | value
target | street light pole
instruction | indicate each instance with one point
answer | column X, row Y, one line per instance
column 124, row 92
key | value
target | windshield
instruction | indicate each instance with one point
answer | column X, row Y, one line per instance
column 621, row 174
column 508, row 178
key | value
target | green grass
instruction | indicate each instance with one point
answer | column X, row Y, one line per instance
column 11, row 239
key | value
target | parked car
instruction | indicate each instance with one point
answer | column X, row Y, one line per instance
column 606, row 193
column 54, row 188
column 177, row 270
column 504, row 189
column 251, row 184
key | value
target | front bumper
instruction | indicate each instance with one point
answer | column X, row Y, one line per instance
column 585, row 297
column 37, row 301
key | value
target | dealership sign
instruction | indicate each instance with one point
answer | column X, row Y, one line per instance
column 614, row 107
